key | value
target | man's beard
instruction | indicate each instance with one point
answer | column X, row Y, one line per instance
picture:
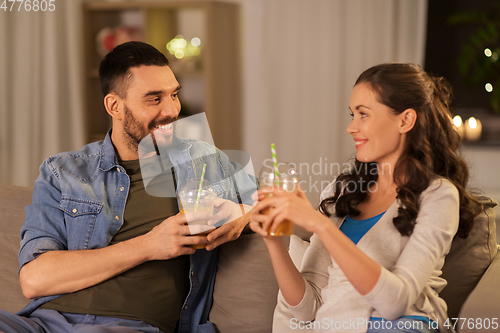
column 135, row 132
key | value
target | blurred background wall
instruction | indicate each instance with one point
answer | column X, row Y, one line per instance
column 41, row 95
column 299, row 61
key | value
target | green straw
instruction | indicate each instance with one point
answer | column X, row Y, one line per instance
column 275, row 163
column 201, row 185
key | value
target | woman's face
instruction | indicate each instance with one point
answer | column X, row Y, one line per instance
column 375, row 128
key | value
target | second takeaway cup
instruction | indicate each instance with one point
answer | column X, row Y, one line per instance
column 193, row 199
column 288, row 180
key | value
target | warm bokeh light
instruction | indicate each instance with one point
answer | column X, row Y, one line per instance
column 488, row 87
column 180, row 48
column 472, row 122
column 196, row 41
column 487, row 52
column 179, row 54
column 473, row 129
column 457, row 121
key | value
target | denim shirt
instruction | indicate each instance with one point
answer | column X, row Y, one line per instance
column 79, row 201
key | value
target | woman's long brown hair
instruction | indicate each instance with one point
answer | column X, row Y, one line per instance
column 431, row 148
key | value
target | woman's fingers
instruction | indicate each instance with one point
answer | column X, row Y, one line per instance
column 267, row 219
column 300, row 192
column 256, row 226
column 278, row 206
column 265, row 192
column 271, row 202
column 276, row 219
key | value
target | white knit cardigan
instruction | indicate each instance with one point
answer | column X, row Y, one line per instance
column 409, row 282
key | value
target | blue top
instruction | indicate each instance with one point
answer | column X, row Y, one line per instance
column 355, row 229
column 79, row 201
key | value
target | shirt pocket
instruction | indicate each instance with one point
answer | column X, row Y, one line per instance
column 220, row 188
column 80, row 218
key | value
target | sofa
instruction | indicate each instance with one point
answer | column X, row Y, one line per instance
column 246, row 292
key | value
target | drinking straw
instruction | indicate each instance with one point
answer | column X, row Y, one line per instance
column 275, row 163
column 201, row 185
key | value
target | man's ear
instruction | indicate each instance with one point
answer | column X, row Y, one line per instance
column 113, row 104
column 408, row 119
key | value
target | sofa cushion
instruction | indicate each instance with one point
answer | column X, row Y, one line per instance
column 482, row 304
column 246, row 289
column 469, row 258
column 13, row 199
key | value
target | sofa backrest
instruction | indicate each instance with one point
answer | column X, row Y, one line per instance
column 469, row 258
column 246, row 289
column 13, row 199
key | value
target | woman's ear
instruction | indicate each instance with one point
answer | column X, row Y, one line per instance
column 113, row 105
column 408, row 120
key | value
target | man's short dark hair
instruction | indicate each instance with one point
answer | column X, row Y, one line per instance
column 114, row 71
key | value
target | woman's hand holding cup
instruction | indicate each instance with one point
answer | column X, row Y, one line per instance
column 285, row 182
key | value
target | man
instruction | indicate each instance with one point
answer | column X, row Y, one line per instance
column 98, row 253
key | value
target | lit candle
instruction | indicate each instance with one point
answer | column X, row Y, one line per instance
column 457, row 121
column 473, row 129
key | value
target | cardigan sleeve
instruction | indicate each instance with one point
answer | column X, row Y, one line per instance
column 436, row 225
column 315, row 274
column 314, row 271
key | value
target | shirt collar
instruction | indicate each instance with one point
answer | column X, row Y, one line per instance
column 107, row 155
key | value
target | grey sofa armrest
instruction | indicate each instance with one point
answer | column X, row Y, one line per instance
column 484, row 301
column 13, row 199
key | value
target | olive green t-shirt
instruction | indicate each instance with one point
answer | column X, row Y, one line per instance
column 154, row 291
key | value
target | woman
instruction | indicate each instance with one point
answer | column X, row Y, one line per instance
column 394, row 214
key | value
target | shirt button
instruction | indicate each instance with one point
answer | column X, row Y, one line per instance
column 186, row 307
column 116, row 217
column 118, row 169
column 192, row 273
column 75, row 210
column 122, row 189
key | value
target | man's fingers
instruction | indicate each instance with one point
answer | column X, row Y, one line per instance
column 219, row 232
column 194, row 240
column 189, row 217
column 222, row 215
column 195, row 229
column 186, row 250
column 255, row 196
column 219, row 202
column 198, row 216
column 219, row 241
